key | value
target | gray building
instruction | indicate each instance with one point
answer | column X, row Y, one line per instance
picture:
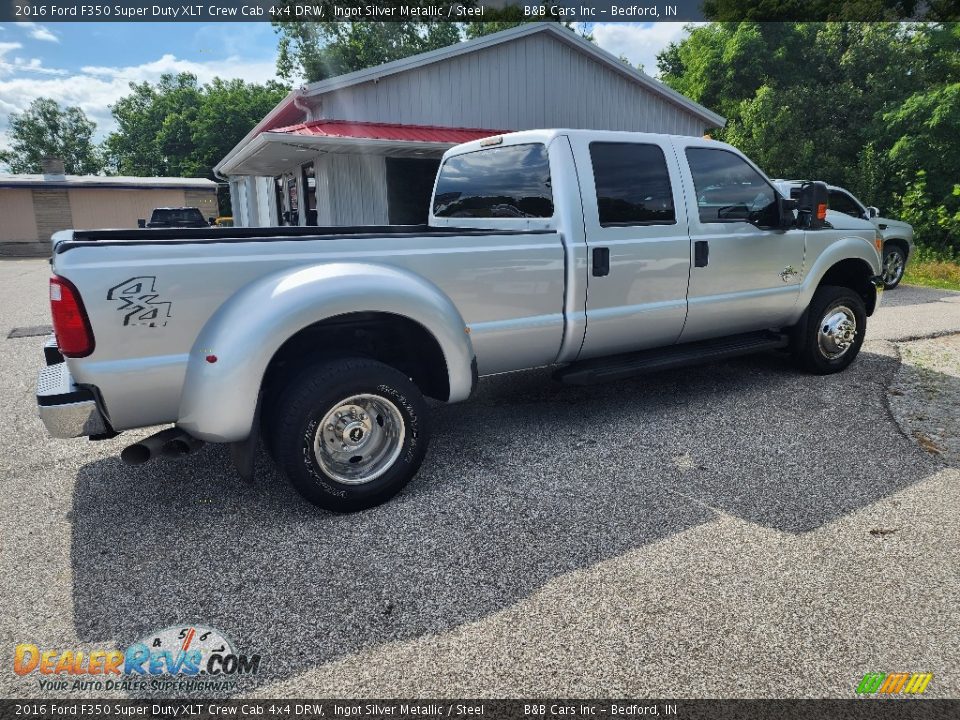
column 363, row 148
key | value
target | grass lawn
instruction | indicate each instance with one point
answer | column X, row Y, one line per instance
column 933, row 273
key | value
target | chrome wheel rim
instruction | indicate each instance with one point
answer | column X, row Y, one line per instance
column 892, row 266
column 837, row 333
column 359, row 439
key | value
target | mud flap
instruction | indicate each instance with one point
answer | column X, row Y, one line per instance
column 244, row 452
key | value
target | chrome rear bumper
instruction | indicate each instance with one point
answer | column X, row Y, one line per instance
column 67, row 410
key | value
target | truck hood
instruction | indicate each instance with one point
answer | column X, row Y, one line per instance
column 894, row 224
column 842, row 221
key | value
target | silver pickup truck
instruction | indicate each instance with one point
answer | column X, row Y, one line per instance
column 600, row 254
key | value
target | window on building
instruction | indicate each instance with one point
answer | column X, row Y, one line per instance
column 293, row 201
column 729, row 189
column 309, row 181
column 632, row 184
column 501, row 182
column 278, row 196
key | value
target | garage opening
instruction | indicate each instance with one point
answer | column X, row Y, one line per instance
column 409, row 185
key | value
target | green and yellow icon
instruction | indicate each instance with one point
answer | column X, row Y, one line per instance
column 894, row 683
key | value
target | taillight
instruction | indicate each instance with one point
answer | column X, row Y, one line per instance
column 70, row 322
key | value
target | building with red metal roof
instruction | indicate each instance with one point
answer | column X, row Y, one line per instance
column 363, row 148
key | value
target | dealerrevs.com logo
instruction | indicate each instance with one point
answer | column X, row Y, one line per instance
column 192, row 657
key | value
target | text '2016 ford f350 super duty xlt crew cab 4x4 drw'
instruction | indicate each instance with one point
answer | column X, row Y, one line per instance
column 603, row 254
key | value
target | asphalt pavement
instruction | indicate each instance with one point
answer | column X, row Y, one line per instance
column 734, row 530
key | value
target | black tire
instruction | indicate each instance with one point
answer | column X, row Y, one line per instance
column 392, row 400
column 893, row 265
column 808, row 347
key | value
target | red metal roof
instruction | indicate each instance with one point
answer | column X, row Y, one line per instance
column 387, row 131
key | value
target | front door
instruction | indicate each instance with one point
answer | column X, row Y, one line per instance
column 639, row 248
column 746, row 274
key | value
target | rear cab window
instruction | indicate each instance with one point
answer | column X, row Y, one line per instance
column 512, row 181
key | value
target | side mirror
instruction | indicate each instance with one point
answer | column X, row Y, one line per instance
column 785, row 210
column 211, row 221
column 141, row 223
column 872, row 212
column 813, row 201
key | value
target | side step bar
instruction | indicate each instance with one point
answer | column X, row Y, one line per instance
column 618, row 367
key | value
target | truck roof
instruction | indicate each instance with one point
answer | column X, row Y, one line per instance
column 548, row 134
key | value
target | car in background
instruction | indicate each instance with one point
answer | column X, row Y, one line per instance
column 897, row 235
column 175, row 217
column 223, row 221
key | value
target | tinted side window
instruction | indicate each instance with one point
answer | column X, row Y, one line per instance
column 729, row 189
column 503, row 182
column 841, row 202
column 632, row 183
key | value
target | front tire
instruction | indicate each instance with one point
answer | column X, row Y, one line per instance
column 830, row 333
column 350, row 433
column 893, row 266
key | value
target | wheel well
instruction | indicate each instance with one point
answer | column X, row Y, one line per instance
column 900, row 243
column 391, row 339
column 854, row 274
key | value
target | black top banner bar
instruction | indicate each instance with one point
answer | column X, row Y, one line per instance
column 53, row 11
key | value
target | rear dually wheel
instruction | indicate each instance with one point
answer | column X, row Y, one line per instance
column 350, row 433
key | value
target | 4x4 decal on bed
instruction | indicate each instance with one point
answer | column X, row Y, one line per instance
column 138, row 301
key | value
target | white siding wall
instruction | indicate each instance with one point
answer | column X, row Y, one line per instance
column 533, row 82
column 351, row 190
column 266, row 201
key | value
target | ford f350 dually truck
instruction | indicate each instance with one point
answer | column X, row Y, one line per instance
column 601, row 254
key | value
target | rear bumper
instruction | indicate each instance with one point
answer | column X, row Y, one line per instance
column 67, row 410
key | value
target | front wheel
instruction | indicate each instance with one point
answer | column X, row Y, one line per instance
column 830, row 333
column 350, row 433
column 894, row 263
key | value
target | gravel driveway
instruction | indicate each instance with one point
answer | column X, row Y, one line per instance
column 736, row 530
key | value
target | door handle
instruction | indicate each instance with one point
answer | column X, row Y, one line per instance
column 701, row 253
column 601, row 262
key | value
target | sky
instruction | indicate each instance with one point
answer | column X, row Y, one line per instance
column 91, row 65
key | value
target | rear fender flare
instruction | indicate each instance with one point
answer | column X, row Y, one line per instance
column 219, row 398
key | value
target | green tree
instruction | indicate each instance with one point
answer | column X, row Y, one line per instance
column 874, row 107
column 181, row 128
column 46, row 128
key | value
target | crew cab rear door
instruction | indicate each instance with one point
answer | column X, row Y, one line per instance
column 639, row 249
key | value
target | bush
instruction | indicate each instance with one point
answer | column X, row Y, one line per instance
column 936, row 227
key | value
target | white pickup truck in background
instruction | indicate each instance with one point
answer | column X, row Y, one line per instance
column 897, row 235
column 602, row 254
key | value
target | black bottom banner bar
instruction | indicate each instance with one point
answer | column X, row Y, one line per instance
column 859, row 709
